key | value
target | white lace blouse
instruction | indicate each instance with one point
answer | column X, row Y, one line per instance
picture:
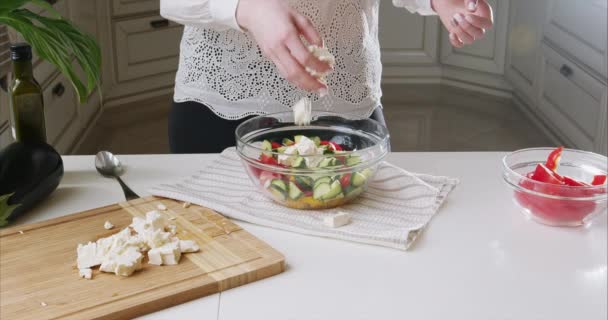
column 222, row 67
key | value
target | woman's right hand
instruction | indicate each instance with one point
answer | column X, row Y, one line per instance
column 277, row 28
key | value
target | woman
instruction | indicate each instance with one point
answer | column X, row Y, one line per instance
column 241, row 58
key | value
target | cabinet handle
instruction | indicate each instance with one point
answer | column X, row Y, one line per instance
column 51, row 2
column 157, row 24
column 58, row 90
column 566, row 71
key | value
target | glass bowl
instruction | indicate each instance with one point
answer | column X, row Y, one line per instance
column 343, row 176
column 557, row 205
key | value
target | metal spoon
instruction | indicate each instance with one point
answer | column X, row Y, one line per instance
column 109, row 166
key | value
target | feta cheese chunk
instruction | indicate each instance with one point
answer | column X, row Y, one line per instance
column 323, row 55
column 108, row 225
column 87, row 255
column 338, row 220
column 161, row 207
column 156, row 220
column 168, row 254
column 186, row 246
column 86, row 273
column 302, row 112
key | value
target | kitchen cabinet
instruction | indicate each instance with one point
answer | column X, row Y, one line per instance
column 66, row 118
column 556, row 61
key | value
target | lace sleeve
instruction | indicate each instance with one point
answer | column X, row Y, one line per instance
column 217, row 14
column 422, row 7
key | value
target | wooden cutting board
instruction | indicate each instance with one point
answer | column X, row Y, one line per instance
column 39, row 278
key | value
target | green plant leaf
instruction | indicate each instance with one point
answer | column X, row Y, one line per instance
column 7, row 5
column 5, row 209
column 58, row 41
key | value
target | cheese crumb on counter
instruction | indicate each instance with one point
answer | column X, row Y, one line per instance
column 161, row 207
column 108, row 225
column 21, row 232
column 186, row 205
column 42, row 303
column 338, row 220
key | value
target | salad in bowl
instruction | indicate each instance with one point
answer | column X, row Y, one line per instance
column 325, row 164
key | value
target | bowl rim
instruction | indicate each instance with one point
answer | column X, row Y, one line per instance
column 507, row 171
column 384, row 142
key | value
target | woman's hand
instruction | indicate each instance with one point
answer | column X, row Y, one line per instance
column 277, row 28
column 466, row 20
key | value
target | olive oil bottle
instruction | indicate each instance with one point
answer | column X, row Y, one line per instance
column 26, row 98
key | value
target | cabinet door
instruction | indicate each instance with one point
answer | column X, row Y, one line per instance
column 59, row 108
column 407, row 39
column 573, row 101
column 579, row 27
column 125, row 7
column 523, row 53
column 486, row 55
column 6, row 135
column 146, row 46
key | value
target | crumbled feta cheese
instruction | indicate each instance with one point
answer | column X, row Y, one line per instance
column 154, row 257
column 338, row 220
column 323, row 55
column 172, row 229
column 87, row 255
column 186, row 204
column 108, row 225
column 86, row 273
column 42, row 303
column 170, row 252
column 186, row 246
column 161, row 207
column 20, row 232
column 302, row 112
column 156, row 220
column 139, row 224
column 305, row 147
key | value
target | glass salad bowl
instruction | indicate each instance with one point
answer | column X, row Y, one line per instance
column 322, row 165
column 566, row 196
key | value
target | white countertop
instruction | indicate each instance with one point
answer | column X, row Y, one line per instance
column 479, row 258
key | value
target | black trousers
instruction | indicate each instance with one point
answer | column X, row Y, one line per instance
column 194, row 128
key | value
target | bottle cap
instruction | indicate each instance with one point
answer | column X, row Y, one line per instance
column 21, row 52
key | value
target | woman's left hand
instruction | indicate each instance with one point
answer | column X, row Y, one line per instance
column 466, row 20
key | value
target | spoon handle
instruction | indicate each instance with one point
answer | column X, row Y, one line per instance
column 129, row 194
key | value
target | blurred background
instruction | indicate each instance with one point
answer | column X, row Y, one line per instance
column 539, row 78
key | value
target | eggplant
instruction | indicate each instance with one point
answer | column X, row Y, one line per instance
column 29, row 173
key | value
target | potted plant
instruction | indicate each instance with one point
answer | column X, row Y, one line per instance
column 58, row 41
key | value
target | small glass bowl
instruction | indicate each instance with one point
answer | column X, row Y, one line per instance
column 365, row 140
column 557, row 205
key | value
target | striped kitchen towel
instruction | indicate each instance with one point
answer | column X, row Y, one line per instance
column 393, row 212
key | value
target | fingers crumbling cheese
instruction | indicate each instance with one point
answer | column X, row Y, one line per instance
column 123, row 252
column 323, row 55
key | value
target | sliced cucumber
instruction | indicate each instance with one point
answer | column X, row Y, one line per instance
column 317, row 140
column 321, row 180
column 353, row 161
column 288, row 142
column 298, row 138
column 326, row 162
column 305, row 182
column 353, row 192
column 277, row 193
column 298, row 162
column 279, row 184
column 281, row 149
column 367, row 172
column 266, row 145
column 321, row 190
column 294, row 192
column 358, row 179
column 335, row 191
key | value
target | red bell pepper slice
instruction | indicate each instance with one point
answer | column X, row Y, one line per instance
column 345, row 180
column 554, row 158
column 268, row 159
column 275, row 145
column 546, row 175
column 599, row 180
column 574, row 183
column 324, row 143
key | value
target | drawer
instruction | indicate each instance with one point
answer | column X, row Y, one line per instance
column 146, row 46
column 59, row 108
column 572, row 100
column 126, row 7
column 579, row 27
